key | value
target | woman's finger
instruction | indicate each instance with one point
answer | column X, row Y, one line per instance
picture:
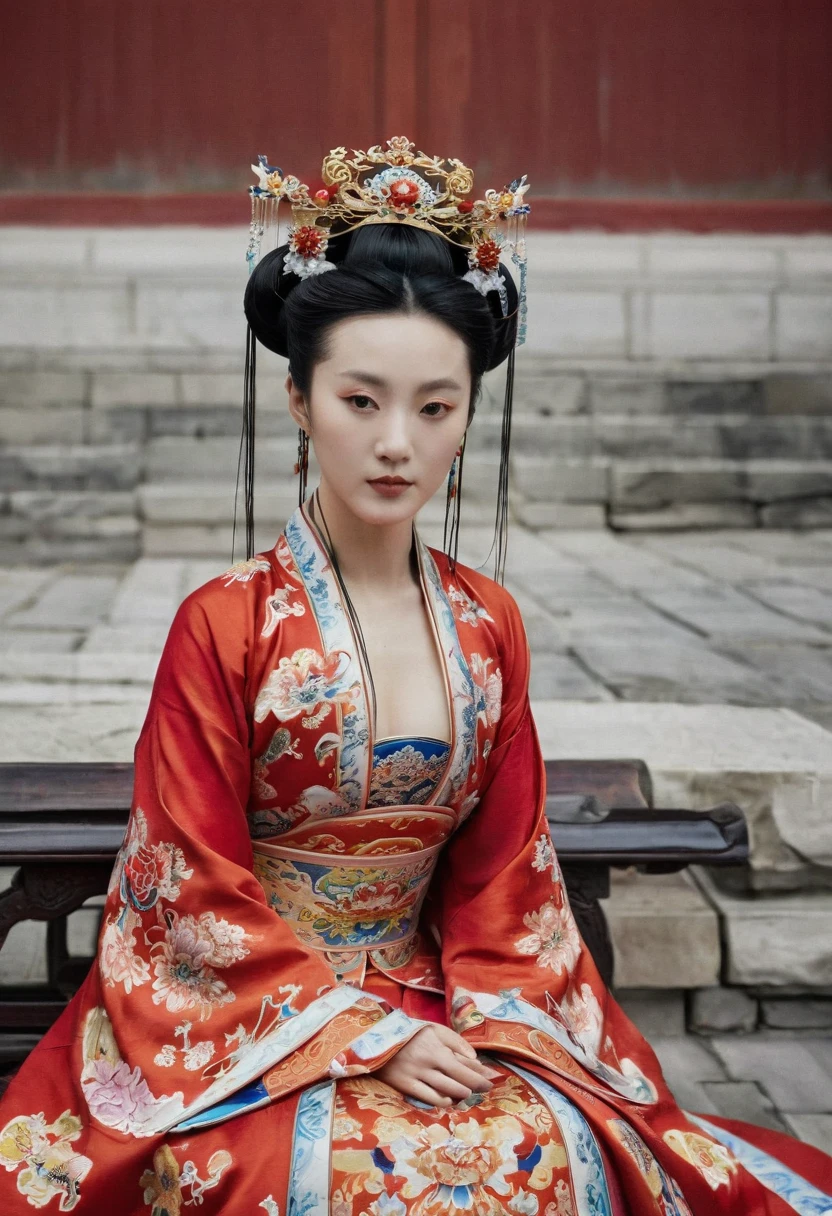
column 425, row 1093
column 478, row 1064
column 444, row 1084
column 461, row 1071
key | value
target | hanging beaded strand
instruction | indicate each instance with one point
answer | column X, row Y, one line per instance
column 302, row 464
column 453, row 505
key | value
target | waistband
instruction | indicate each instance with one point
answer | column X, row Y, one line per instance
column 354, row 883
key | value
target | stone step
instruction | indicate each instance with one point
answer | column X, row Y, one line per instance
column 729, row 436
column 100, row 466
column 62, row 525
column 776, row 940
column 654, row 481
column 118, row 394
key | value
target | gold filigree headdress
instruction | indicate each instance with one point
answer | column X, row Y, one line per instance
column 410, row 188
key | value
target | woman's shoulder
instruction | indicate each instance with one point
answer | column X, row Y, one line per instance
column 485, row 591
column 225, row 609
column 474, row 593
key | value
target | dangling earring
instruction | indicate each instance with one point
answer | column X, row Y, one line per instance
column 302, row 463
column 453, row 504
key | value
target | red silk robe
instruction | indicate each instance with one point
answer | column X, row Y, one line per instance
column 274, row 933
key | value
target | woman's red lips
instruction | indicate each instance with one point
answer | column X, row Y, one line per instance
column 390, row 487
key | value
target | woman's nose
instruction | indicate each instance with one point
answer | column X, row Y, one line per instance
column 394, row 441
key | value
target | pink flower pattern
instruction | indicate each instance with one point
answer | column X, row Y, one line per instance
column 553, row 939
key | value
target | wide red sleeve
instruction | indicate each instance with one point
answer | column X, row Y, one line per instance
column 518, row 976
column 201, row 988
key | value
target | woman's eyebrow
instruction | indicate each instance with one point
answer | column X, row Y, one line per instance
column 380, row 382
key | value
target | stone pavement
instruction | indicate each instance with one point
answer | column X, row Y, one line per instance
column 776, row 1079
column 708, row 654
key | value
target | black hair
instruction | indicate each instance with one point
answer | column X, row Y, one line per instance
column 382, row 268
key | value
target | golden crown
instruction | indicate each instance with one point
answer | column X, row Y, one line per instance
column 397, row 192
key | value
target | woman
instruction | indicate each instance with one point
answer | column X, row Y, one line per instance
column 338, row 971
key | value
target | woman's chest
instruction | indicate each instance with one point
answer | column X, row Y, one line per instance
column 409, row 678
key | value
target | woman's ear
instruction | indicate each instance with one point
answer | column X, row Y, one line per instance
column 297, row 404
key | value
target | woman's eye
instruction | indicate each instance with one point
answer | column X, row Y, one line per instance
column 358, row 397
column 433, row 408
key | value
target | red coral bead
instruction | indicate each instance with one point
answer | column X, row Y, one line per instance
column 465, row 207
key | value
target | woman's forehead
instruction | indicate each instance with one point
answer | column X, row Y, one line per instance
column 387, row 337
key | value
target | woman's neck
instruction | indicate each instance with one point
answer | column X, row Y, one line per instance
column 369, row 555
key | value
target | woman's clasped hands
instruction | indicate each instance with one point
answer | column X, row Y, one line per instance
column 437, row 1066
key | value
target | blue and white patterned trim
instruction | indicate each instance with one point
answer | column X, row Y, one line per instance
column 253, row 1061
column 463, row 753
column 586, row 1166
column 336, row 634
column 794, row 1190
column 508, row 1006
column 308, row 1193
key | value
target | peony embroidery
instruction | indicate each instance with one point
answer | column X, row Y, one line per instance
column 52, row 1167
column 457, row 1162
column 143, row 874
column 553, row 939
column 118, row 960
column 306, row 684
column 146, row 873
column 185, row 962
column 117, row 1095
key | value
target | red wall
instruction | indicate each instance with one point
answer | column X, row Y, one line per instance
column 673, row 98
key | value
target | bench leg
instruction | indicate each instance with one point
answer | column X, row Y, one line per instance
column 585, row 886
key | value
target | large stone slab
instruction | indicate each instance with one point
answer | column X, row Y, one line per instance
column 664, row 933
column 661, row 665
column 776, row 940
column 775, row 764
column 795, row 1075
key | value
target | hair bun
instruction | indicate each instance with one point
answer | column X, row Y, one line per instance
column 264, row 301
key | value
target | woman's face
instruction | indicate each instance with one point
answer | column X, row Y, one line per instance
column 390, row 401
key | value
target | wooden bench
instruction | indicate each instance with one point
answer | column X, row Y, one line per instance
column 61, row 825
